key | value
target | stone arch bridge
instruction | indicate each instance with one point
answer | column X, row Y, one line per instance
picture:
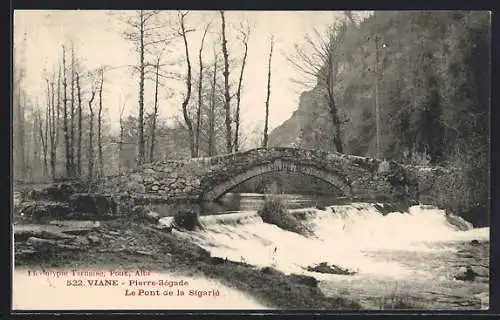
column 206, row 179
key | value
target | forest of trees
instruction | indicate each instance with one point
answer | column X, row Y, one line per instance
column 67, row 135
column 412, row 87
column 431, row 87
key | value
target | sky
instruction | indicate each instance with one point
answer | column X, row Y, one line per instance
column 97, row 39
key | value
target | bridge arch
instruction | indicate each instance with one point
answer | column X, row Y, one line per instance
column 223, row 187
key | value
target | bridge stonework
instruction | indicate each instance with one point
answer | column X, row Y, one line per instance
column 206, row 179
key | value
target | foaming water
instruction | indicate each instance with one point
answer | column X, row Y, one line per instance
column 342, row 235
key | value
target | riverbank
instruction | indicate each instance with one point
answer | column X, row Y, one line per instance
column 130, row 244
column 140, row 239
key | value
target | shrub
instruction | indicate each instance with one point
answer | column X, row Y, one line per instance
column 275, row 212
column 186, row 219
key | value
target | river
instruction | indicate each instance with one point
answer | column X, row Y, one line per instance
column 400, row 259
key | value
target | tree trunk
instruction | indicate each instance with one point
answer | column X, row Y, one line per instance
column 36, row 146
column 155, row 113
column 337, row 140
column 200, row 87
column 120, row 148
column 79, row 144
column 188, row 86
column 227, row 104
column 331, row 78
column 211, row 124
column 26, row 143
column 65, row 115
column 53, row 129
column 72, row 123
column 48, row 123
column 48, row 127
column 238, row 99
column 266, row 123
column 377, row 107
column 91, row 138
column 19, row 130
column 43, row 139
column 99, row 127
column 141, row 157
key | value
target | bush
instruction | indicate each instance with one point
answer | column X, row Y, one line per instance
column 275, row 212
column 185, row 219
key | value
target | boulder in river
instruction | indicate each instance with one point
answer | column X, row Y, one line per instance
column 468, row 275
column 474, row 242
column 323, row 267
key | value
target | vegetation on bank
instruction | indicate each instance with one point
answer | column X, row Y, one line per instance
column 185, row 219
column 274, row 211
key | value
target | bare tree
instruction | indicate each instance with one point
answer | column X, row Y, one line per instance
column 66, row 116
column 18, row 110
column 54, row 122
column 200, row 87
column 91, row 135
column 322, row 65
column 189, row 125
column 266, row 123
column 44, row 133
column 144, row 32
column 72, row 113
column 227, row 103
column 211, row 115
column 79, row 143
column 244, row 34
column 35, row 161
column 155, row 112
column 99, row 124
column 122, row 110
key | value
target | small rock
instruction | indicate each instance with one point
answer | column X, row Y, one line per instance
column 474, row 242
column 467, row 275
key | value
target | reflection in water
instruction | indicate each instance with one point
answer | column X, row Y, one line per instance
column 233, row 202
